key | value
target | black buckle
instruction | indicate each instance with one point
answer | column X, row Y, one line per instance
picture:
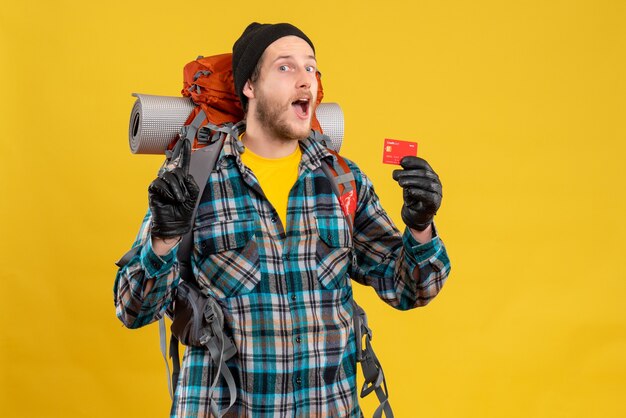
column 208, row 136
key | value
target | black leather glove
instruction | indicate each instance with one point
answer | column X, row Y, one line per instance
column 172, row 197
column 422, row 192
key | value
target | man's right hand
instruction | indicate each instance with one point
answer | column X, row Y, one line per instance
column 172, row 197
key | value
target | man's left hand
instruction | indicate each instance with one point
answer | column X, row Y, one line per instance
column 422, row 192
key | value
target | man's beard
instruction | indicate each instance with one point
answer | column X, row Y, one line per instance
column 272, row 114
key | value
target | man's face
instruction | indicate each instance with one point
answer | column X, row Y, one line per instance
column 283, row 97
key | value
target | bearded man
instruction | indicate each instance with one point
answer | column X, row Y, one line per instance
column 272, row 245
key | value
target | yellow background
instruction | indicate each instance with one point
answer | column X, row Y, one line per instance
column 519, row 106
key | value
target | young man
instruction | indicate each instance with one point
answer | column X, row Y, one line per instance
column 272, row 245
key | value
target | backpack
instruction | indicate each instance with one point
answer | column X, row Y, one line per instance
column 197, row 319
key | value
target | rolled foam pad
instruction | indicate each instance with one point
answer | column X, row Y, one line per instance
column 156, row 120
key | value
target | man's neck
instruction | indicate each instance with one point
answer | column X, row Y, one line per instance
column 265, row 145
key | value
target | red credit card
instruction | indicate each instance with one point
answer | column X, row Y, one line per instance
column 394, row 150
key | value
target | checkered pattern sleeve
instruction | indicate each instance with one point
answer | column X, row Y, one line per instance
column 134, row 306
column 404, row 273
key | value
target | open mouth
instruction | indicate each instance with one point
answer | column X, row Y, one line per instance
column 301, row 106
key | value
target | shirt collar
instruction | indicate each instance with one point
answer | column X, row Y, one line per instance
column 313, row 152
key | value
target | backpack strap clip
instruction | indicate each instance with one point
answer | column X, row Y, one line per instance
column 189, row 131
column 210, row 133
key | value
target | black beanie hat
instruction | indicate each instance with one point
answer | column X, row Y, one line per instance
column 248, row 49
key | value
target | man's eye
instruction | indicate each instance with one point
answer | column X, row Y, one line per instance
column 310, row 69
column 283, row 68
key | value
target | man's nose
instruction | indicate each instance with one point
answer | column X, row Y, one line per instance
column 304, row 79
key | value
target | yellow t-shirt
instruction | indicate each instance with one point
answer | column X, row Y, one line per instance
column 276, row 177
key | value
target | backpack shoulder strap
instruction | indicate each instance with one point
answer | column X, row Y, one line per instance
column 344, row 185
column 202, row 163
column 370, row 366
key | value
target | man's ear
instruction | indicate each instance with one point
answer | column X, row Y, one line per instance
column 248, row 90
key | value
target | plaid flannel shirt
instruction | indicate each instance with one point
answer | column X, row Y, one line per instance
column 286, row 293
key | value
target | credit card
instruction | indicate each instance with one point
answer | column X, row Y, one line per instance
column 394, row 150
